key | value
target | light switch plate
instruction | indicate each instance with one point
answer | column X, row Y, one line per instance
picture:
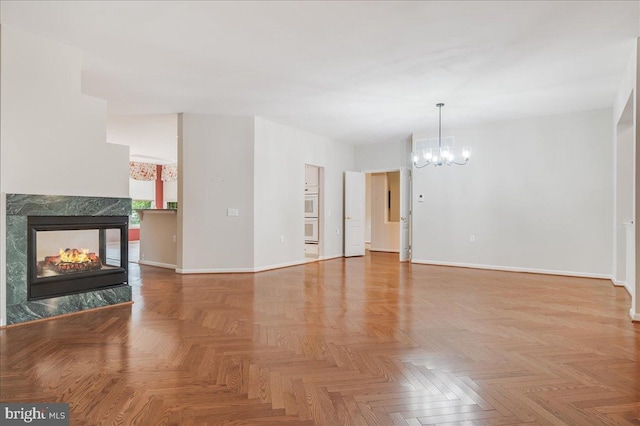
column 233, row 212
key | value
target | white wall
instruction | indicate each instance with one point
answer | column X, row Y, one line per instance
column 281, row 153
column 537, row 195
column 623, row 195
column 625, row 133
column 383, row 156
column 385, row 235
column 216, row 172
column 50, row 133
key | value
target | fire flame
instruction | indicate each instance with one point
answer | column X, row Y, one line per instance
column 74, row 255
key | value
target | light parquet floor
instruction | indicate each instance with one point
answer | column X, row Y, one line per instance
column 347, row 341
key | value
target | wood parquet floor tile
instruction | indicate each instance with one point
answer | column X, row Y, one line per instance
column 360, row 341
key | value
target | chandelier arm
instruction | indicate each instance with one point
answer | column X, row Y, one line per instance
column 460, row 164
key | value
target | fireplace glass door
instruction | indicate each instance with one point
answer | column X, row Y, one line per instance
column 71, row 254
column 77, row 251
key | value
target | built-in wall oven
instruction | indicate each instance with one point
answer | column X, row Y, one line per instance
column 311, row 205
column 311, row 230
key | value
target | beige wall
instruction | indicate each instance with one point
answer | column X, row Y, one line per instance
column 158, row 235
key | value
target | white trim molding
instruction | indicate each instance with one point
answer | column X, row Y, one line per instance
column 335, row 256
column 214, row 271
column 158, row 264
column 512, row 269
column 384, row 250
column 623, row 284
column 240, row 270
column 634, row 316
column 278, row 266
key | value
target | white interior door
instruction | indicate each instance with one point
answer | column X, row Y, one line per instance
column 354, row 201
column 405, row 214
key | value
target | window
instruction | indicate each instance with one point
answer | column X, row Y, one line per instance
column 134, row 218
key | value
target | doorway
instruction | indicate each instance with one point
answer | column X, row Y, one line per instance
column 382, row 211
column 377, row 212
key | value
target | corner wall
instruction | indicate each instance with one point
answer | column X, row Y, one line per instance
column 216, row 172
column 52, row 137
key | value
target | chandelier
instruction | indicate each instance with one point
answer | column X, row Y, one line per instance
column 441, row 156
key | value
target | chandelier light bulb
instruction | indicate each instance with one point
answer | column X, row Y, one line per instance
column 466, row 153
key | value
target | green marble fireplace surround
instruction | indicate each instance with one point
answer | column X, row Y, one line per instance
column 18, row 208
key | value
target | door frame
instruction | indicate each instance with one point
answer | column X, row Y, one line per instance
column 397, row 169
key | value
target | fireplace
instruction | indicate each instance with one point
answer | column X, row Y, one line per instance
column 75, row 254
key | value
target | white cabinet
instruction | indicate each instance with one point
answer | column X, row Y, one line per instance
column 311, row 249
column 311, row 179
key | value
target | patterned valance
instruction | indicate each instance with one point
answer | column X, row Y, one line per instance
column 170, row 172
column 142, row 171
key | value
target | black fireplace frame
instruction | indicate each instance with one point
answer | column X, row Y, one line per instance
column 80, row 282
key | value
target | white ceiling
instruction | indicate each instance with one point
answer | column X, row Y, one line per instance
column 359, row 72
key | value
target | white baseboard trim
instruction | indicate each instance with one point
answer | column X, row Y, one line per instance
column 622, row 284
column 214, row 271
column 633, row 315
column 278, row 266
column 158, row 264
column 512, row 269
column 386, row 250
column 240, row 270
column 336, row 256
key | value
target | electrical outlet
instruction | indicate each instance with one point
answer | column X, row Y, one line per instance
column 175, row 239
column 337, row 231
column 472, row 238
column 233, row 212
column 282, row 238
